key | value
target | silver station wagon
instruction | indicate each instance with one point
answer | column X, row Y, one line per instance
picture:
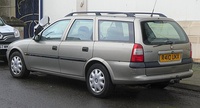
column 105, row 49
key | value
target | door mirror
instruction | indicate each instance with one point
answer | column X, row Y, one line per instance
column 44, row 21
column 37, row 38
column 40, row 26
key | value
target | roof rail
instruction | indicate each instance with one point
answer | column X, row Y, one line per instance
column 148, row 13
column 128, row 14
column 98, row 13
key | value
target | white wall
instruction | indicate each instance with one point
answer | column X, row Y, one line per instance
column 56, row 9
column 176, row 9
column 180, row 10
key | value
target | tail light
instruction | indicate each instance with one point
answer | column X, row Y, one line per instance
column 137, row 53
column 190, row 50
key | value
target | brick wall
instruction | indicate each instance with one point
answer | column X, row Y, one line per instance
column 7, row 8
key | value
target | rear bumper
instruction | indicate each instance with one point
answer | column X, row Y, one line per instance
column 143, row 79
column 121, row 73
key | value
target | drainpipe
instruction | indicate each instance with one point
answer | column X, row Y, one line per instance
column 40, row 9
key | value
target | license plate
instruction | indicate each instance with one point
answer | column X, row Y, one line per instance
column 170, row 57
column 3, row 46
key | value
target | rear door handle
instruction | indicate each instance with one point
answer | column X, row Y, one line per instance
column 85, row 49
column 54, row 47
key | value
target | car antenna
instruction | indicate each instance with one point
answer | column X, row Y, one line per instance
column 153, row 8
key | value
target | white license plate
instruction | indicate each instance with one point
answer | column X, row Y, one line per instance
column 3, row 46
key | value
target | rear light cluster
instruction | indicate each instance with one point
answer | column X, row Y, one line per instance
column 137, row 53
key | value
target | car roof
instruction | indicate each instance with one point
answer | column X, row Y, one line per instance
column 116, row 15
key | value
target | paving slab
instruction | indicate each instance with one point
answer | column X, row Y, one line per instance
column 192, row 83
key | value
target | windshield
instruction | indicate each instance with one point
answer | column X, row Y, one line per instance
column 162, row 32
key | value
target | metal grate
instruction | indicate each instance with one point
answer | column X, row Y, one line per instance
column 4, row 36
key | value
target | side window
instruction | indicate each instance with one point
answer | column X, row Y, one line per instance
column 116, row 31
column 81, row 30
column 55, row 31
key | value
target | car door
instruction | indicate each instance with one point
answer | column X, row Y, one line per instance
column 43, row 55
column 77, row 48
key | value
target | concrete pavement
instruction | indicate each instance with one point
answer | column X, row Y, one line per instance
column 192, row 83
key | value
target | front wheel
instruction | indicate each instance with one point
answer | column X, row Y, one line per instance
column 98, row 81
column 17, row 66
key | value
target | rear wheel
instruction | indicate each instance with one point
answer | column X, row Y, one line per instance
column 17, row 66
column 98, row 81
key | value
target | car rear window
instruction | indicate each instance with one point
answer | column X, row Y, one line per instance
column 119, row 31
column 162, row 32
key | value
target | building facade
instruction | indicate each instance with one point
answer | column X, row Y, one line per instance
column 186, row 12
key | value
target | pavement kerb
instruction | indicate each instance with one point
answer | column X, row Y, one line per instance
column 186, row 87
column 192, row 83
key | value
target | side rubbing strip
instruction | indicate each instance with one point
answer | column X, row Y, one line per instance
column 73, row 59
column 57, row 57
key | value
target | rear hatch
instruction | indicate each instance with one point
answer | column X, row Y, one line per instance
column 166, row 47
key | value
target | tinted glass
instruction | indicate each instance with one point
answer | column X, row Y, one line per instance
column 162, row 32
column 116, row 31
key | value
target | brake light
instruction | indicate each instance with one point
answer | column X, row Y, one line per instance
column 190, row 50
column 137, row 53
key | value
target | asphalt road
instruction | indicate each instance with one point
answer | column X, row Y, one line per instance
column 46, row 91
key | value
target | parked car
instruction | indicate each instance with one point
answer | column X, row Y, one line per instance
column 106, row 49
column 8, row 34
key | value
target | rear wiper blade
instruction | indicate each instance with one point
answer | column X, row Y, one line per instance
column 165, row 43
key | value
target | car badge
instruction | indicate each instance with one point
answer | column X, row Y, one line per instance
column 1, row 36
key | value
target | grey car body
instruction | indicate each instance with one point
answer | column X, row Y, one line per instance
column 116, row 49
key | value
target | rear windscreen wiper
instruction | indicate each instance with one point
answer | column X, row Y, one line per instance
column 165, row 43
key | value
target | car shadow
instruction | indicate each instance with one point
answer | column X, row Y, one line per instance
column 3, row 65
column 120, row 91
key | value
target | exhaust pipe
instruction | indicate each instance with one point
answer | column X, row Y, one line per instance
column 176, row 80
column 173, row 81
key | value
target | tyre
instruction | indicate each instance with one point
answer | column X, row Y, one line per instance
column 17, row 66
column 160, row 85
column 98, row 81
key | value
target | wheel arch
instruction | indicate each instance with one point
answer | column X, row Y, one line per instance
column 21, row 52
column 14, row 50
column 101, row 61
